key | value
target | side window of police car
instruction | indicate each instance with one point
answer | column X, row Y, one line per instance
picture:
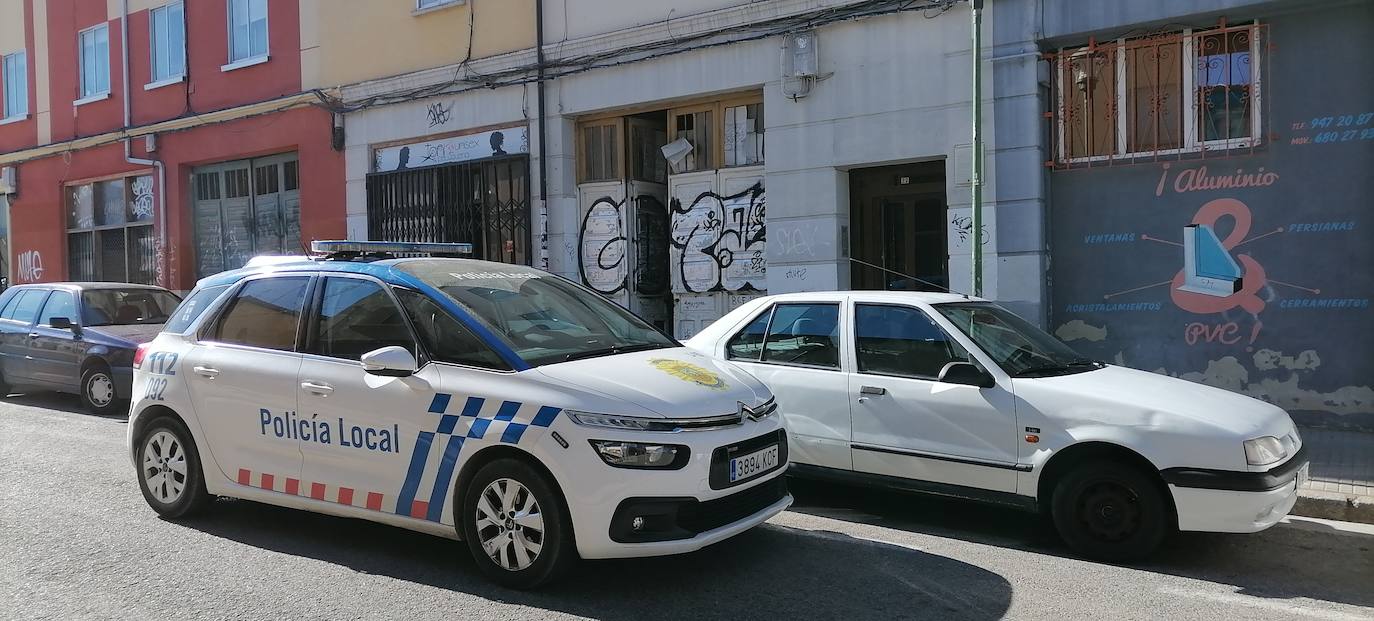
column 446, row 339
column 264, row 313
column 902, row 341
column 357, row 316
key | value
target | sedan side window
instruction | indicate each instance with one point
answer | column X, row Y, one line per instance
column 804, row 334
column 25, row 307
column 356, row 317
column 265, row 313
column 901, row 340
column 748, row 343
column 60, row 304
column 446, row 339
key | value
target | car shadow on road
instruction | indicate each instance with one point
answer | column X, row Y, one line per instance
column 783, row 572
column 1280, row 563
column 61, row 402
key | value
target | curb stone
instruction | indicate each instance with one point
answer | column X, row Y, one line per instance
column 1334, row 506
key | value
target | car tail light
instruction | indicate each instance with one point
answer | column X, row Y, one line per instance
column 138, row 355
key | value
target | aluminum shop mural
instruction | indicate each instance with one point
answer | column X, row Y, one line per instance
column 1251, row 269
column 717, row 242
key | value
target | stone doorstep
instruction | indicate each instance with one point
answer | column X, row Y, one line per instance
column 1334, row 506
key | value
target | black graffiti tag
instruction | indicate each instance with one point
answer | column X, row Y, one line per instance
column 610, row 254
column 722, row 238
column 439, row 114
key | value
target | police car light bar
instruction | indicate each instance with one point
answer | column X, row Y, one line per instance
column 338, row 247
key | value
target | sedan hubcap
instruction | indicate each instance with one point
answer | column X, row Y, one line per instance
column 1110, row 510
column 164, row 467
column 100, row 390
column 509, row 524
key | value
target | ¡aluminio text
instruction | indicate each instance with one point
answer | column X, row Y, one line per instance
column 290, row 426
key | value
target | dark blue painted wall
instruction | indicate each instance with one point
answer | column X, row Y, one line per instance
column 1300, row 333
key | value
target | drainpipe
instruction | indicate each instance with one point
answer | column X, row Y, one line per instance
column 128, row 147
column 977, row 6
column 543, row 135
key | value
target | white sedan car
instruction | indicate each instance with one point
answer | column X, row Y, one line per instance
column 494, row 403
column 956, row 396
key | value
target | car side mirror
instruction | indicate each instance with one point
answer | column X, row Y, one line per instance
column 62, row 323
column 966, row 373
column 390, row 361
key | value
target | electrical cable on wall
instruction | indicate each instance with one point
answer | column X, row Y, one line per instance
column 562, row 67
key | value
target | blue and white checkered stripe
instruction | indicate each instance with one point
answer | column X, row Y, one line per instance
column 475, row 421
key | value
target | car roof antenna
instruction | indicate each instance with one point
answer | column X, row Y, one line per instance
column 910, row 277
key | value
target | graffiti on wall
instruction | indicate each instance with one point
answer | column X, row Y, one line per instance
column 717, row 242
column 143, row 197
column 438, row 113
column 601, row 247
column 30, row 266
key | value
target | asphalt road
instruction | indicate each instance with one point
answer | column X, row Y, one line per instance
column 78, row 542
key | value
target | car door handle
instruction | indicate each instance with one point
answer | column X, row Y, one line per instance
column 33, row 335
column 204, row 371
column 873, row 390
column 317, row 388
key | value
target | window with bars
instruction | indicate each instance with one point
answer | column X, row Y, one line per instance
column 1168, row 93
column 601, row 157
column 245, row 209
column 110, row 231
column 695, row 126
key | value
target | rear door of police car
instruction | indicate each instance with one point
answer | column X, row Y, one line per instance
column 242, row 376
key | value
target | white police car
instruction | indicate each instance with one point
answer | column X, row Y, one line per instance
column 489, row 402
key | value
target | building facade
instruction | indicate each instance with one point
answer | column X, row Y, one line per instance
column 699, row 154
column 228, row 140
column 1210, row 195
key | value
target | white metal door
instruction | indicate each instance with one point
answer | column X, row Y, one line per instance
column 602, row 242
column 717, row 247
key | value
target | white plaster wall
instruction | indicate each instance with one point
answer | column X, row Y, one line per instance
column 897, row 89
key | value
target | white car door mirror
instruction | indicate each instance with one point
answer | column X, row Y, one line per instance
column 967, row 374
column 390, row 361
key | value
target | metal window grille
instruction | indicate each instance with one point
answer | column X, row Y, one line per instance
column 1171, row 95
column 485, row 204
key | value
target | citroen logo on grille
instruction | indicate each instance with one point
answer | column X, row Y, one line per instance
column 757, row 412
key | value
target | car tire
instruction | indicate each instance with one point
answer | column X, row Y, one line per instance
column 169, row 470
column 498, row 523
column 1110, row 511
column 98, row 394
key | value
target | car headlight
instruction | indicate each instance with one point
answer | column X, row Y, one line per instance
column 628, row 423
column 642, row 455
column 1264, row 451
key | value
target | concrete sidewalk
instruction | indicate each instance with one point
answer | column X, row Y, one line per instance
column 1342, row 483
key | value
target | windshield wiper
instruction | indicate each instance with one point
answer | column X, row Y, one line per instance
column 1044, row 368
column 1061, row 367
column 611, row 351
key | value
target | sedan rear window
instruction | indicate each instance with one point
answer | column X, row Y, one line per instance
column 126, row 307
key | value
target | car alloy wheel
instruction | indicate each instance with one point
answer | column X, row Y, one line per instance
column 100, row 389
column 509, row 524
column 164, row 467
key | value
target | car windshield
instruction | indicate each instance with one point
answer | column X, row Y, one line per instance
column 1020, row 348
column 124, row 307
column 543, row 318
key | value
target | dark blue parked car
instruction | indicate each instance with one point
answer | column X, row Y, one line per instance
column 78, row 338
